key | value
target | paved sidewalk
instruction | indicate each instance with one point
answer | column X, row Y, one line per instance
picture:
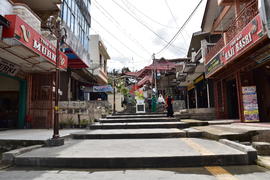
column 34, row 134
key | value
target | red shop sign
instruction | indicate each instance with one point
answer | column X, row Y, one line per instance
column 25, row 34
column 247, row 37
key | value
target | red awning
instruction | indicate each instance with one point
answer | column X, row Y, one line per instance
column 146, row 79
column 31, row 39
column 74, row 61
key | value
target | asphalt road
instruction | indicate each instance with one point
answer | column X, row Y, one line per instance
column 198, row 173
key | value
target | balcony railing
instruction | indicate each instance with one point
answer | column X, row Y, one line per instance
column 245, row 16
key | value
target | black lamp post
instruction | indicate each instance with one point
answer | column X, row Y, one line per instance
column 114, row 96
column 55, row 27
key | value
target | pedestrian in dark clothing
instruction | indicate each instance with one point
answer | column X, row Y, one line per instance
column 169, row 101
column 149, row 102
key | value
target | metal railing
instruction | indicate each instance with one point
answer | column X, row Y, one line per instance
column 245, row 16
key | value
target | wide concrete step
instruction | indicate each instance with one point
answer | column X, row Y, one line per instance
column 136, row 116
column 131, row 120
column 131, row 134
column 147, row 113
column 216, row 133
column 135, row 153
column 144, row 125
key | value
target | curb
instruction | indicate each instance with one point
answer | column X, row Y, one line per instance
column 4, row 165
column 8, row 157
column 251, row 152
column 263, row 163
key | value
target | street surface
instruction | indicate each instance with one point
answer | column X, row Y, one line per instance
column 198, row 173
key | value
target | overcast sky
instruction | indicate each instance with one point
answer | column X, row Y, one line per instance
column 132, row 30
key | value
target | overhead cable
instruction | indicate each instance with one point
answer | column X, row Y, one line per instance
column 181, row 28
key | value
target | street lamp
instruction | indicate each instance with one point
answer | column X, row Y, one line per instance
column 114, row 96
column 55, row 27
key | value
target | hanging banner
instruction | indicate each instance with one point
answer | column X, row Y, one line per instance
column 107, row 88
column 250, row 103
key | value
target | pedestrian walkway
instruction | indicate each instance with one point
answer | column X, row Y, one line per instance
column 34, row 134
column 138, row 145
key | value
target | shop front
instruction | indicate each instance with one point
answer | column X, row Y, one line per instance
column 12, row 96
column 241, row 75
column 191, row 96
column 27, row 76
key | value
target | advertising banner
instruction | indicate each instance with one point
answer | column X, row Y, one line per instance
column 251, row 110
column 249, row 35
column 107, row 88
column 30, row 38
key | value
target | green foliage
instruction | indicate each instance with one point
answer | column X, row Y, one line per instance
column 84, row 122
column 139, row 95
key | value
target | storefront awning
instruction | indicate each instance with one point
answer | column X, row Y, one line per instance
column 26, row 47
column 74, row 61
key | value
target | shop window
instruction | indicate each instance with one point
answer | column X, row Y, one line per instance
column 74, row 19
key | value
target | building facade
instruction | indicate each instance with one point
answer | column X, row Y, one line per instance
column 238, row 63
column 28, row 58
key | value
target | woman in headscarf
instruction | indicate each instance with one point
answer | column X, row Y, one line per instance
column 154, row 103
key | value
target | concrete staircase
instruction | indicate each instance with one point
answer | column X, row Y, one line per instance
column 139, row 141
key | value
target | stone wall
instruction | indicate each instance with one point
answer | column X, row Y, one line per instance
column 118, row 101
column 86, row 111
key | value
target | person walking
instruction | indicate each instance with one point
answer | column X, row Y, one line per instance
column 154, row 103
column 169, row 104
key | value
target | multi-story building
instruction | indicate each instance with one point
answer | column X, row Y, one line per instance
column 99, row 57
column 77, row 21
column 239, row 62
column 28, row 56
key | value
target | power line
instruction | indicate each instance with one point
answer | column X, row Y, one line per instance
column 168, row 6
column 119, row 26
column 147, row 27
column 145, row 15
column 116, row 38
column 107, row 42
column 179, row 31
